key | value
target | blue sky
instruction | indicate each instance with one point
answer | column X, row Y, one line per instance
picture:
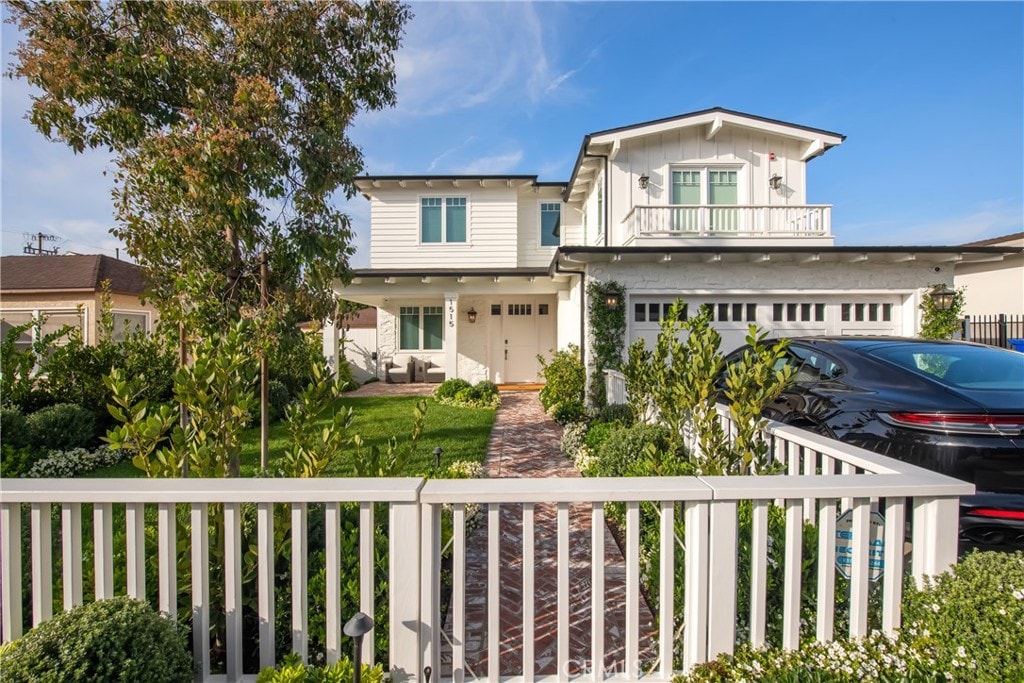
column 929, row 95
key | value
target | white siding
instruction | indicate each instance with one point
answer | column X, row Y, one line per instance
column 530, row 253
column 491, row 230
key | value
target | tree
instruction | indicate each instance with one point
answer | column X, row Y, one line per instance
column 228, row 121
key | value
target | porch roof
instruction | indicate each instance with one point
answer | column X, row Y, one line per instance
column 374, row 286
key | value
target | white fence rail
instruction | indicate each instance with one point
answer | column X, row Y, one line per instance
column 813, row 220
column 823, row 478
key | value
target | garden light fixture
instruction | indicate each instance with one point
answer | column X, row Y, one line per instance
column 357, row 627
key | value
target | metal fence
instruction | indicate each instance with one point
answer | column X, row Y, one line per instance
column 994, row 330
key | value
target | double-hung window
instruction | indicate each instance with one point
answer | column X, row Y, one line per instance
column 129, row 322
column 420, row 328
column 550, row 224
column 443, row 220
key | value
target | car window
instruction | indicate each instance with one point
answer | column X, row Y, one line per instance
column 961, row 366
column 822, row 367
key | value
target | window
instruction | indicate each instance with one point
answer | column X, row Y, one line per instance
column 542, row 309
column 798, row 312
column 734, row 312
column 867, row 312
column 12, row 319
column 688, row 186
column 550, row 224
column 520, row 309
column 656, row 312
column 127, row 323
column 600, row 208
column 442, row 220
column 420, row 328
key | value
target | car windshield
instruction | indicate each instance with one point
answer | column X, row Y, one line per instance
column 960, row 366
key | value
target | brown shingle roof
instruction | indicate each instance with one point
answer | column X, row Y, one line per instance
column 66, row 273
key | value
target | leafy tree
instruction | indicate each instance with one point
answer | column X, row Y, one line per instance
column 228, row 122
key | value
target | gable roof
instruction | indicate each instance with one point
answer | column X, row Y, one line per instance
column 1003, row 239
column 818, row 140
column 79, row 273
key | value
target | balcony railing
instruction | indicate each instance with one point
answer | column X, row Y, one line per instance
column 807, row 221
column 823, row 478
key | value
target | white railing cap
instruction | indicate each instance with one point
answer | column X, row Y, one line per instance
column 243, row 490
column 564, row 490
column 769, row 487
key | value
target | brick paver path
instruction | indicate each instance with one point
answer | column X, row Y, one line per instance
column 526, row 443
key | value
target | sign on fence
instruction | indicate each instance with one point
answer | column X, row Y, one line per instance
column 876, row 545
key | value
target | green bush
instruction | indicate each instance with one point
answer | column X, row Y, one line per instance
column 573, row 435
column 16, row 461
column 616, row 412
column 110, row 640
column 565, row 412
column 450, row 388
column 972, row 617
column 292, row 670
column 624, row 447
column 279, row 398
column 599, row 433
column 565, row 378
column 62, row 427
column 14, row 429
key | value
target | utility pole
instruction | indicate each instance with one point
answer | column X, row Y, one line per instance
column 40, row 237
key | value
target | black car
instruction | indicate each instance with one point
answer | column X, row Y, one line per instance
column 953, row 407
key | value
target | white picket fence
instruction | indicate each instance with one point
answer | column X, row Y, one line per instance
column 823, row 478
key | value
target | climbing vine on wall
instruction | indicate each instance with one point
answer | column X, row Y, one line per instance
column 608, row 332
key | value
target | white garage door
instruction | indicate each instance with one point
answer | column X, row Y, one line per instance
column 782, row 316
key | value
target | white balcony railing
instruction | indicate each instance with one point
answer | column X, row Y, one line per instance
column 728, row 221
column 823, row 478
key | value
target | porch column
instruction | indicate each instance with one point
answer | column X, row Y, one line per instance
column 330, row 344
column 451, row 335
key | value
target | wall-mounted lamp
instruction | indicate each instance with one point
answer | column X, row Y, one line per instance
column 471, row 314
column 775, row 182
column 611, row 301
column 942, row 296
column 642, row 181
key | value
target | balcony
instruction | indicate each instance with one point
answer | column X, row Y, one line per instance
column 823, row 478
column 724, row 225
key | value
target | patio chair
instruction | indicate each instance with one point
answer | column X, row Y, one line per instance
column 399, row 369
column 432, row 372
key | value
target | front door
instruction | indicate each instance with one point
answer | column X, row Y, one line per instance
column 519, row 340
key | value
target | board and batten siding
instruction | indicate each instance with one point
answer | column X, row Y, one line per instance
column 491, row 231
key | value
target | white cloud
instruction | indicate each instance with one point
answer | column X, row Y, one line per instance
column 435, row 162
column 492, row 165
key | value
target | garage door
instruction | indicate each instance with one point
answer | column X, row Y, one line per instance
column 782, row 316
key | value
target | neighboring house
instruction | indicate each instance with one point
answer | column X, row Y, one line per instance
column 67, row 290
column 995, row 286
column 481, row 274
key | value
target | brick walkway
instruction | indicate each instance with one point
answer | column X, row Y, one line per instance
column 525, row 443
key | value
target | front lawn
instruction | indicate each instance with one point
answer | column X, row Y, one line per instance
column 462, row 434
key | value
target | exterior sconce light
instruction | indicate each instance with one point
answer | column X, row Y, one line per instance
column 942, row 296
column 611, row 301
column 471, row 314
column 357, row 627
column 775, row 182
column 642, row 181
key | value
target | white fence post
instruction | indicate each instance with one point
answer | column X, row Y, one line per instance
column 722, row 578
column 404, row 592
column 936, row 530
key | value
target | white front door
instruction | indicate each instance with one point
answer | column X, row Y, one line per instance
column 519, row 340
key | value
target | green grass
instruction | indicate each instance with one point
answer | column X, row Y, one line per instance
column 462, row 434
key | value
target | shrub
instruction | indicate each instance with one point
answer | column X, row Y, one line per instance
column 450, row 387
column 572, row 438
column 77, row 461
column 279, row 397
column 292, row 670
column 14, row 429
column 65, row 425
column 624, row 447
column 565, row 378
column 972, row 617
column 110, row 640
column 599, row 433
column 616, row 412
column 15, row 461
column 565, row 412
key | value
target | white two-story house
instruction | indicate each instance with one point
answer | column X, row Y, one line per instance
column 478, row 275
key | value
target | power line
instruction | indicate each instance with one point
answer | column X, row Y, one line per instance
column 40, row 237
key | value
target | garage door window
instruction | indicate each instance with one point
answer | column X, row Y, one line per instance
column 867, row 312
column 798, row 312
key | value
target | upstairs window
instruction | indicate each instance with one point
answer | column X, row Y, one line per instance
column 550, row 224
column 686, row 187
column 705, row 186
column 443, row 220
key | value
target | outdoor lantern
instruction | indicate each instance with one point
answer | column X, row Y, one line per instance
column 642, row 181
column 437, row 457
column 611, row 301
column 942, row 296
column 471, row 313
column 775, row 182
column 357, row 627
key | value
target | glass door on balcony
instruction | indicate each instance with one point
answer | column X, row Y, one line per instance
column 722, row 189
column 686, row 189
column 704, row 188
